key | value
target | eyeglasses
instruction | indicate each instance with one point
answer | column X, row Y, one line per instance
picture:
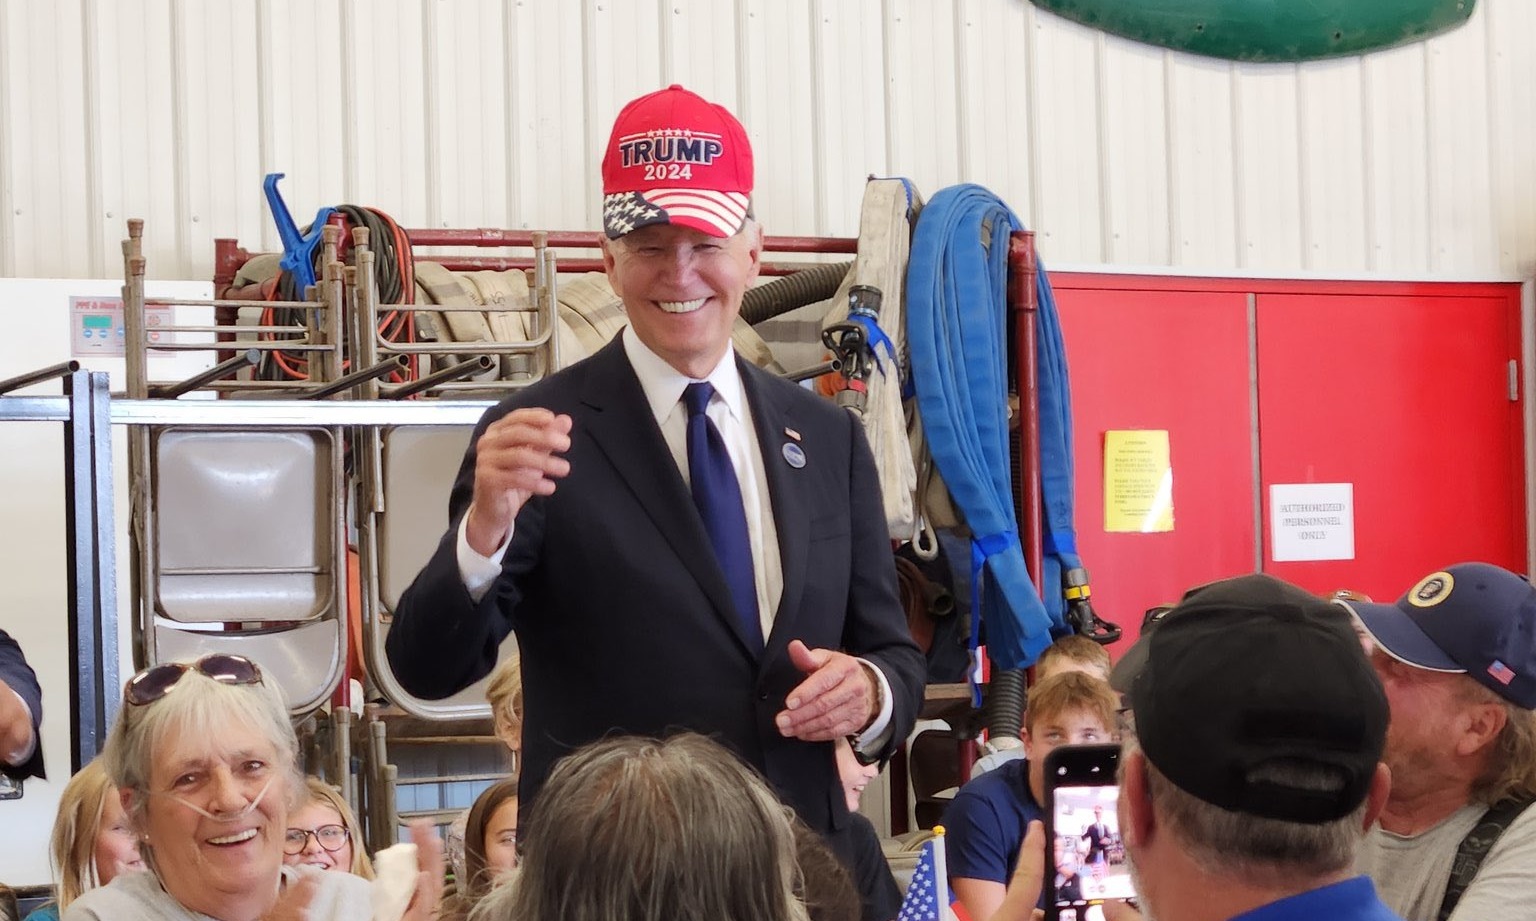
column 154, row 683
column 329, row 837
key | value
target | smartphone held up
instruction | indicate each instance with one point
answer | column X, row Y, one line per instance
column 1088, row 863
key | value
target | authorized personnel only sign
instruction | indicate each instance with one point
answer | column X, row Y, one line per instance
column 1311, row 521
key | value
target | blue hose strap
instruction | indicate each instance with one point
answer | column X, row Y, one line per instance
column 876, row 338
column 983, row 549
column 1060, row 542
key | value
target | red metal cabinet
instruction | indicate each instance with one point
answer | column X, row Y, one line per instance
column 1400, row 389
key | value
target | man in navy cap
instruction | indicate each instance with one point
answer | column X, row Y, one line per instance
column 1457, row 657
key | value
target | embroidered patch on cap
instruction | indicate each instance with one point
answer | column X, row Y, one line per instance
column 1431, row 590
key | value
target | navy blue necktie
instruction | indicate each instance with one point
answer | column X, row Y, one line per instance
column 717, row 494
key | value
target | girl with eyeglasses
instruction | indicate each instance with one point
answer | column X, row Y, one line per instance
column 323, row 833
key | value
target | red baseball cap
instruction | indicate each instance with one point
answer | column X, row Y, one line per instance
column 674, row 157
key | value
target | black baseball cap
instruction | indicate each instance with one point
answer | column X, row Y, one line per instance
column 1472, row 618
column 1252, row 671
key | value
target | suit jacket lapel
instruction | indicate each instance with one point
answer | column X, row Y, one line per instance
column 791, row 512
column 621, row 424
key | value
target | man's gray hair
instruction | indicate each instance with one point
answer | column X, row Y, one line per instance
column 198, row 707
column 639, row 829
column 1257, row 849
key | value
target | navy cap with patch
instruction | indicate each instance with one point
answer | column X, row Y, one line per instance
column 1472, row 618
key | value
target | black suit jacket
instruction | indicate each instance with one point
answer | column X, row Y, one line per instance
column 622, row 613
column 15, row 672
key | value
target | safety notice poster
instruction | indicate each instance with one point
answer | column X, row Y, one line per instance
column 1138, row 481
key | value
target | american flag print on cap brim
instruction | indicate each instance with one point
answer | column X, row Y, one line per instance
column 719, row 214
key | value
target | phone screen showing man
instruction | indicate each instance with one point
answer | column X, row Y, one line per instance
column 1088, row 853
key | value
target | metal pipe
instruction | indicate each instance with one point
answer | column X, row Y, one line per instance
column 1023, row 305
column 136, row 344
column 223, row 369
column 805, row 374
column 451, row 373
column 552, row 303
column 346, row 381
column 63, row 369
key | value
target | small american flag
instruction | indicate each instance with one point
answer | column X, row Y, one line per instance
column 928, row 897
column 1501, row 673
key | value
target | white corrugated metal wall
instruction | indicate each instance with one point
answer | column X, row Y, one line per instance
column 471, row 113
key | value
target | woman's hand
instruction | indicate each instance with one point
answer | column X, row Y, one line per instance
column 429, row 876
column 294, row 902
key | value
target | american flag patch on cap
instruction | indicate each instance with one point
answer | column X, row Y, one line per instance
column 1500, row 672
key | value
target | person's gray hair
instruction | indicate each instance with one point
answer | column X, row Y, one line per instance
column 201, row 708
column 638, row 829
column 1253, row 848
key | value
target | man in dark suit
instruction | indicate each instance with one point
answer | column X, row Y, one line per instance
column 1097, row 836
column 671, row 555
column 21, row 713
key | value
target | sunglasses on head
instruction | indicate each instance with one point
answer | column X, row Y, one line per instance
column 157, row 681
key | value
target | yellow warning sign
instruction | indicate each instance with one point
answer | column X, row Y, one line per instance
column 1138, row 481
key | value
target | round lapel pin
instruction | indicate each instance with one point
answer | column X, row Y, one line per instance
column 794, row 455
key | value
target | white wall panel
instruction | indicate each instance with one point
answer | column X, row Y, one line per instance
column 848, row 135
column 920, row 103
column 1461, row 223
column 1397, row 174
column 998, row 144
column 1332, row 163
column 466, row 130
column 1068, row 207
column 1266, row 167
column 1512, row 139
column 302, row 108
column 387, row 73
column 555, row 165
column 49, row 198
column 493, row 113
column 786, row 121
column 1201, row 140
column 215, row 59
column 1134, row 153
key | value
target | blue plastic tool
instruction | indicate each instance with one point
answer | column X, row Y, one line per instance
column 298, row 249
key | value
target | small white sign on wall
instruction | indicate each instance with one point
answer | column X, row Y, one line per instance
column 1311, row 521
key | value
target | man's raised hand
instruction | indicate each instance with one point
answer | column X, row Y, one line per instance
column 517, row 457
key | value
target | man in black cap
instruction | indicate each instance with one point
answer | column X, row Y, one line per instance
column 1254, row 768
column 1457, row 657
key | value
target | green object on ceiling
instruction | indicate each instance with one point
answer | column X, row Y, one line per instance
column 1268, row 30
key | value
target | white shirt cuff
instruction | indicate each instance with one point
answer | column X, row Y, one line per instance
column 17, row 759
column 873, row 739
column 479, row 572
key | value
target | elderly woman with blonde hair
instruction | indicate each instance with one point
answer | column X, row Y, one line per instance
column 92, row 843
column 206, row 757
column 640, row 829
